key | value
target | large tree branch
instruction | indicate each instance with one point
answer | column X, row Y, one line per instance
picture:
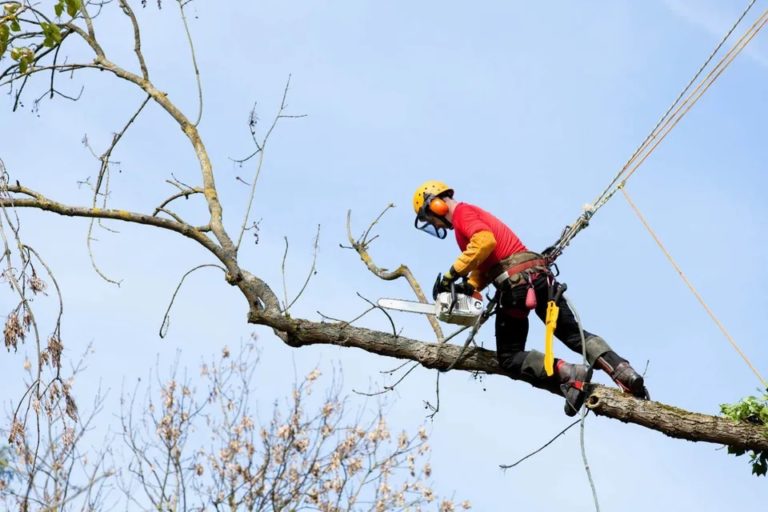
column 190, row 130
column 676, row 422
column 41, row 202
column 602, row 400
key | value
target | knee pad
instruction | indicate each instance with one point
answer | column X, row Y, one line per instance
column 512, row 362
column 595, row 347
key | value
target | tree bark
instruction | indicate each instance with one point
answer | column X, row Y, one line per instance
column 603, row 401
column 676, row 422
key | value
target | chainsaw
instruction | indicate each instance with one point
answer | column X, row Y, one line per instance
column 451, row 307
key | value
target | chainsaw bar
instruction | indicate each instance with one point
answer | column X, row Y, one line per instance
column 457, row 309
column 409, row 306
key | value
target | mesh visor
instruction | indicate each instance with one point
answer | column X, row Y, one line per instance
column 426, row 226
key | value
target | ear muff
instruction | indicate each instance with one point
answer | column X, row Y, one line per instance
column 438, row 207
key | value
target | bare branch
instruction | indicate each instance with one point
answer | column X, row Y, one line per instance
column 602, row 400
column 182, row 4
column 282, row 271
column 348, row 322
column 434, row 408
column 260, row 148
column 389, row 317
column 41, row 202
column 312, row 270
column 136, row 37
column 103, row 177
column 566, row 429
column 361, row 247
column 390, row 387
column 184, row 193
column 166, row 318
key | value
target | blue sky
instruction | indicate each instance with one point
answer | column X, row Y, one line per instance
column 527, row 110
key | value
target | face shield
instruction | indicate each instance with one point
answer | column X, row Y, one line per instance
column 429, row 228
column 429, row 222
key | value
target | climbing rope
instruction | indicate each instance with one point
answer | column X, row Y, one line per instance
column 583, row 412
column 690, row 285
column 653, row 132
column 686, row 105
column 667, row 122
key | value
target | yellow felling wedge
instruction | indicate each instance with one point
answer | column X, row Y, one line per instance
column 549, row 330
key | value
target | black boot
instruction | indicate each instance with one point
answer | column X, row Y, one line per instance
column 624, row 376
column 572, row 378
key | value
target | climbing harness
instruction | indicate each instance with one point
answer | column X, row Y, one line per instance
column 519, row 273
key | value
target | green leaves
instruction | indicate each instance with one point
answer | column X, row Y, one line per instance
column 5, row 33
column 24, row 56
column 752, row 410
column 11, row 24
column 11, row 9
column 72, row 7
column 52, row 34
column 10, row 16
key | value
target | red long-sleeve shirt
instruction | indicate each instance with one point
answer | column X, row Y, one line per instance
column 484, row 241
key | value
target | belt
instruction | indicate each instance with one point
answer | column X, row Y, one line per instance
column 516, row 269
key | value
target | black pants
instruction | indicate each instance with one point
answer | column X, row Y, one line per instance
column 512, row 326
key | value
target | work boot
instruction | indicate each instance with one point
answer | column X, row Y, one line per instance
column 572, row 378
column 629, row 380
column 623, row 374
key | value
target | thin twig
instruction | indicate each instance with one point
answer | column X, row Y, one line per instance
column 508, row 466
column 390, row 372
column 282, row 266
column 391, row 387
column 312, row 270
column 194, row 63
column 436, row 408
column 166, row 318
column 347, row 322
column 104, row 174
column 136, row 38
column 392, row 322
column 184, row 193
column 260, row 149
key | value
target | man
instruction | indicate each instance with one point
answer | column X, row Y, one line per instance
column 492, row 253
